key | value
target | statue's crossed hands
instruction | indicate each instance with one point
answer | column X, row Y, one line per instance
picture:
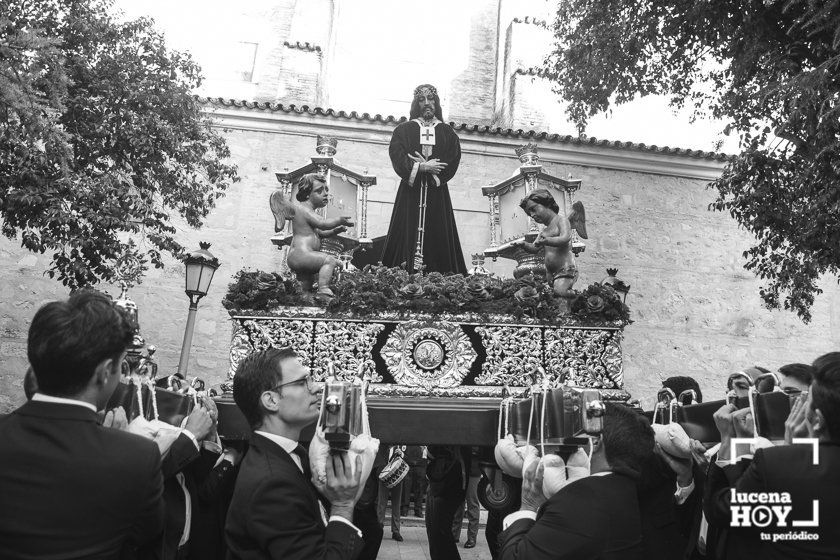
column 433, row 166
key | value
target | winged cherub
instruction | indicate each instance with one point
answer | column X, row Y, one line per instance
column 556, row 238
column 305, row 257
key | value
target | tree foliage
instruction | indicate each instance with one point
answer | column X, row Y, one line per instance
column 771, row 70
column 101, row 139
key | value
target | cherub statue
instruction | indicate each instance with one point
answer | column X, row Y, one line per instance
column 560, row 267
column 305, row 258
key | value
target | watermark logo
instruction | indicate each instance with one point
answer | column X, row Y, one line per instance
column 772, row 509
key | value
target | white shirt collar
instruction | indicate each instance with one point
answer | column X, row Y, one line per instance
column 41, row 397
column 419, row 121
column 288, row 445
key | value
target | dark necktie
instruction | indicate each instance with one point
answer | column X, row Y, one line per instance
column 307, row 472
column 304, row 461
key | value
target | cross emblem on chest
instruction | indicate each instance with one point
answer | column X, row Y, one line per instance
column 427, row 138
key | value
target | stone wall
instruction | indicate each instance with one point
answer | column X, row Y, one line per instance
column 474, row 89
column 524, row 42
column 696, row 311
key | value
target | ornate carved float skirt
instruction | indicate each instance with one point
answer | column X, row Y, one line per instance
column 440, row 379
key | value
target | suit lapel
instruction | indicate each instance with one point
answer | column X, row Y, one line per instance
column 276, row 453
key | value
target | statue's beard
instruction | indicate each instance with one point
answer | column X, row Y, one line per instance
column 428, row 112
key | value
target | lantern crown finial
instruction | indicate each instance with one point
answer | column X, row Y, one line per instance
column 326, row 145
column 528, row 154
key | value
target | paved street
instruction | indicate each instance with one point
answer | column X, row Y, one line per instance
column 416, row 545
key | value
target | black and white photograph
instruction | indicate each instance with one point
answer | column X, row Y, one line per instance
column 440, row 280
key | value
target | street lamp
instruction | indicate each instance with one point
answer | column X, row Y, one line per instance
column 201, row 265
column 617, row 284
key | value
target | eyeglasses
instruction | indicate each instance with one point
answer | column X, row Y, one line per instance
column 310, row 384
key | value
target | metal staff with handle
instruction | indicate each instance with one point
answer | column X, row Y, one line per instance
column 427, row 143
column 421, row 226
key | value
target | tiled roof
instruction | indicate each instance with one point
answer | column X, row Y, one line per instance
column 532, row 21
column 302, row 46
column 466, row 127
column 531, row 72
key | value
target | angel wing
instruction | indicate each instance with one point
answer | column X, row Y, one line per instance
column 283, row 210
column 577, row 219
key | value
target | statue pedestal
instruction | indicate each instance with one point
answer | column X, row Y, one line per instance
column 443, row 366
column 526, row 263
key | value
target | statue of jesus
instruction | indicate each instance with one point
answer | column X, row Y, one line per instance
column 425, row 153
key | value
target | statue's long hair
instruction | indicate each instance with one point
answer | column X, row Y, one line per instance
column 415, row 112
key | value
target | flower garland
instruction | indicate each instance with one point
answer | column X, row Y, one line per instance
column 378, row 288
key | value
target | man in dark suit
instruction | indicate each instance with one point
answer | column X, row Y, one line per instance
column 207, row 539
column 276, row 511
column 447, row 472
column 190, row 458
column 784, row 469
column 669, row 503
column 595, row 517
column 70, row 488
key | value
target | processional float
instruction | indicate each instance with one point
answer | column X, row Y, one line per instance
column 460, row 357
column 449, row 379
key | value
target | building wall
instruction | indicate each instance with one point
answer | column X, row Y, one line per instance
column 524, row 43
column 474, row 90
column 695, row 310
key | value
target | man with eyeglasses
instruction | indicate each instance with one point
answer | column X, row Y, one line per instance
column 276, row 511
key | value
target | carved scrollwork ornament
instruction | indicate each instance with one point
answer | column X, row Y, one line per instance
column 253, row 334
column 128, row 269
column 513, row 353
column 348, row 345
column 428, row 355
column 584, row 358
column 240, row 346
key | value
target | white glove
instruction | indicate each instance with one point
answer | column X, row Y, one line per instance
column 319, row 452
column 554, row 474
column 673, row 439
column 163, row 434
column 511, row 459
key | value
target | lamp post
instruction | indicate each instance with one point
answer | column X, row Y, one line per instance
column 201, row 265
column 617, row 284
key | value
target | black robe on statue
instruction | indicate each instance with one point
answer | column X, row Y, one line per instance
column 442, row 248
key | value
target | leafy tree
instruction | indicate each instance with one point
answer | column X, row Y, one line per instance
column 771, row 69
column 101, row 139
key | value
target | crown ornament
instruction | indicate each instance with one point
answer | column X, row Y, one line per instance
column 326, row 146
column 528, row 154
